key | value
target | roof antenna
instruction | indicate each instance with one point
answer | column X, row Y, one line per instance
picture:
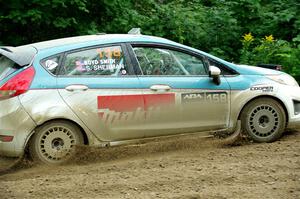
column 135, row 31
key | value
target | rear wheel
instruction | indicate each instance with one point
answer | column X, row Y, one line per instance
column 54, row 142
column 263, row 120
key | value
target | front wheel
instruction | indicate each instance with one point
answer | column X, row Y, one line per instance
column 54, row 142
column 264, row 120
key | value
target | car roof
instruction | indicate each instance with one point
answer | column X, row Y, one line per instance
column 97, row 40
column 56, row 46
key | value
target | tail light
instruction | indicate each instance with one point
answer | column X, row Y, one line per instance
column 6, row 138
column 18, row 84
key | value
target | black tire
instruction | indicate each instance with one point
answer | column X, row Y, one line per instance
column 264, row 120
column 54, row 142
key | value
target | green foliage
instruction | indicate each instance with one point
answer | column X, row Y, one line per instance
column 214, row 26
column 270, row 51
column 25, row 21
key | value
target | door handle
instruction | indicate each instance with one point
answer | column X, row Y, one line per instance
column 77, row 87
column 160, row 87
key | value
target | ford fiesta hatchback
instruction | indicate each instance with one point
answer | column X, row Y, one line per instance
column 101, row 89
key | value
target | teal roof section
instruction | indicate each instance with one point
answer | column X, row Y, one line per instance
column 56, row 46
column 90, row 40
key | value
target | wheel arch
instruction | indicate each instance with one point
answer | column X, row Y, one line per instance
column 270, row 97
column 83, row 133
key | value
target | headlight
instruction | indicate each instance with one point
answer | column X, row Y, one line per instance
column 284, row 79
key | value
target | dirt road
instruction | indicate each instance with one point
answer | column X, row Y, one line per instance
column 186, row 167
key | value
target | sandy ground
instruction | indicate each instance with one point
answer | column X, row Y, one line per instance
column 185, row 167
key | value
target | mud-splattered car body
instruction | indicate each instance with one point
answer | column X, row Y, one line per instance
column 122, row 87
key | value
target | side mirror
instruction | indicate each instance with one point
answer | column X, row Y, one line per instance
column 214, row 73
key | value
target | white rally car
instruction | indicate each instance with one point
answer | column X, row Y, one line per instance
column 102, row 89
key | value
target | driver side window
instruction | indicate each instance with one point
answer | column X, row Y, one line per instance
column 165, row 62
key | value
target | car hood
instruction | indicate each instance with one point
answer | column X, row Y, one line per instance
column 254, row 70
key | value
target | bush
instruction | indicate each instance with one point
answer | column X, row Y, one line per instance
column 268, row 50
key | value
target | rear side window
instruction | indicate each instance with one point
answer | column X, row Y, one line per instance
column 52, row 64
column 106, row 61
column 7, row 67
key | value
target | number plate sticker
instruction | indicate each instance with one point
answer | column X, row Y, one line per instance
column 210, row 97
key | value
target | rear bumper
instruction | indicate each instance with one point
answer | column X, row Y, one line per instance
column 8, row 149
column 14, row 121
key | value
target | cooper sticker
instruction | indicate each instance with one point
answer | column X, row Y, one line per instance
column 262, row 88
column 214, row 97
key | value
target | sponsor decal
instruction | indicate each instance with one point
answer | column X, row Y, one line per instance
column 262, row 88
column 211, row 97
column 117, row 108
column 123, row 72
column 50, row 64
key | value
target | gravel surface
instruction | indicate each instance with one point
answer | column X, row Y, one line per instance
column 182, row 167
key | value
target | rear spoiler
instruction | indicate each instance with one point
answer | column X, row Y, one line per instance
column 21, row 55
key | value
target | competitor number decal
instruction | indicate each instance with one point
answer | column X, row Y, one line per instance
column 212, row 97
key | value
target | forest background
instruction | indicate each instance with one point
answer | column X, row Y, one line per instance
column 244, row 31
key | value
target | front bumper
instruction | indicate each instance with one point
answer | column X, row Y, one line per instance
column 14, row 121
column 294, row 123
column 293, row 106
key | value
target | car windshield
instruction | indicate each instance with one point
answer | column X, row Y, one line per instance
column 7, row 67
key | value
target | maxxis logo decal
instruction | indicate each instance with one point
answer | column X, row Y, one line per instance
column 116, row 108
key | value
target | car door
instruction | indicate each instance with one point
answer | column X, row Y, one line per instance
column 99, row 85
column 190, row 100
